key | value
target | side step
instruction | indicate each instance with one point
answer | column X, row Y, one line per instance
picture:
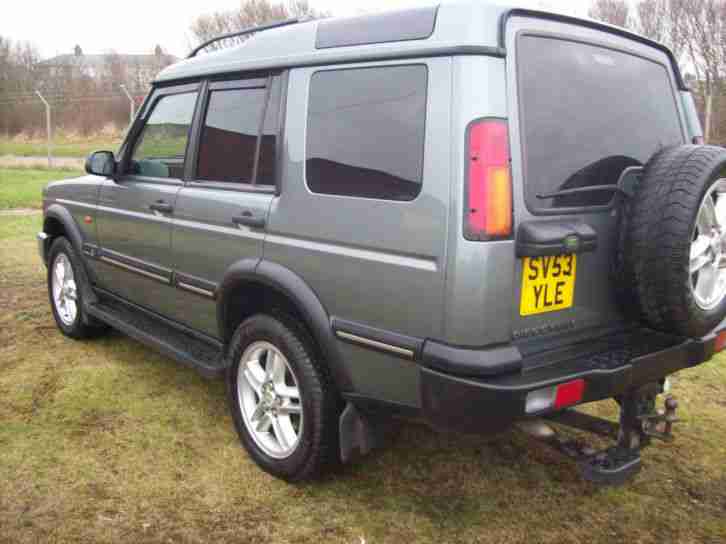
column 183, row 345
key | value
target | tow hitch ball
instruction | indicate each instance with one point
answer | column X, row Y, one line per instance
column 639, row 423
column 660, row 424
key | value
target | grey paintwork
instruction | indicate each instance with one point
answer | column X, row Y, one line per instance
column 400, row 266
column 206, row 243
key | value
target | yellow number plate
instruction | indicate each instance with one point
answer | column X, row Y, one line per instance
column 548, row 284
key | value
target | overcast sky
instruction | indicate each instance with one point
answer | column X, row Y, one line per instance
column 136, row 26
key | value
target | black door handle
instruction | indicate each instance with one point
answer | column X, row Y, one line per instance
column 161, row 206
column 250, row 219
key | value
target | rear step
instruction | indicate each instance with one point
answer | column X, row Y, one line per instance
column 173, row 340
column 639, row 423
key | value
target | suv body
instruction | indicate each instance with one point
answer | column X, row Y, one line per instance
column 330, row 169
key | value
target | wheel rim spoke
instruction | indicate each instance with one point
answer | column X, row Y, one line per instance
column 699, row 253
column 698, row 263
column 252, row 375
column 275, row 368
column 287, row 391
column 264, row 423
column 707, row 215
column 707, row 281
column 258, row 412
column 284, row 431
column 289, row 408
column 720, row 209
column 59, row 273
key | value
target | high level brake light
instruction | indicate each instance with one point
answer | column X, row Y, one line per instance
column 489, row 181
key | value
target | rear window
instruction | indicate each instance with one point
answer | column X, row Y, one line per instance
column 588, row 113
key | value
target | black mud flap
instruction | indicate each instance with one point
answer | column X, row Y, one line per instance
column 359, row 434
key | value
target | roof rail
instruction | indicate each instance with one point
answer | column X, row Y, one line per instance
column 244, row 32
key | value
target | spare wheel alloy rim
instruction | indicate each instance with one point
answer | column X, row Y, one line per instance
column 708, row 249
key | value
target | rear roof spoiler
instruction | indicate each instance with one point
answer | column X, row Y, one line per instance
column 589, row 23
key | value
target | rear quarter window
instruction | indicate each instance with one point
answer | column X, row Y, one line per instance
column 587, row 113
column 365, row 132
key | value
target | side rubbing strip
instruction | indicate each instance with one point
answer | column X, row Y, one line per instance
column 131, row 268
column 375, row 344
column 401, row 345
column 196, row 285
column 197, row 290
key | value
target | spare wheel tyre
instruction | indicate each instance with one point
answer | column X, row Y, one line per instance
column 675, row 243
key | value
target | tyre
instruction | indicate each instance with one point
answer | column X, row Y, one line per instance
column 283, row 403
column 675, row 244
column 65, row 291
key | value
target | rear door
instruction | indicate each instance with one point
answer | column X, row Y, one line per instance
column 221, row 214
column 362, row 214
column 585, row 106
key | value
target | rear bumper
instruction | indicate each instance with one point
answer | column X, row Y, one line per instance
column 476, row 404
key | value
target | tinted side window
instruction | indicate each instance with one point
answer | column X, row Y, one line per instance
column 229, row 137
column 160, row 150
column 366, row 129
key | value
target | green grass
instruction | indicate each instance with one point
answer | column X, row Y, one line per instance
column 107, row 441
column 21, row 187
column 61, row 148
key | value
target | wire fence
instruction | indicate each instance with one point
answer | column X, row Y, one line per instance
column 38, row 113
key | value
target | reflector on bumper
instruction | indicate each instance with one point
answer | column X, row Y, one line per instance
column 557, row 397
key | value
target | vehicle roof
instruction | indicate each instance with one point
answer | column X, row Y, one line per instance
column 466, row 26
column 458, row 23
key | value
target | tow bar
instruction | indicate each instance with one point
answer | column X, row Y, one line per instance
column 639, row 423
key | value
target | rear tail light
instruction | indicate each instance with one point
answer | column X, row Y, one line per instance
column 720, row 343
column 555, row 397
column 489, row 181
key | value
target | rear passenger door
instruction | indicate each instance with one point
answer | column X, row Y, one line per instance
column 363, row 210
column 135, row 209
column 220, row 215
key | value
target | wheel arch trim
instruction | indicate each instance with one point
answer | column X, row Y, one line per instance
column 301, row 296
column 72, row 232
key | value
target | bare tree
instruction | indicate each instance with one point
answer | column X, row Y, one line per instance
column 704, row 22
column 251, row 13
column 694, row 29
column 614, row 12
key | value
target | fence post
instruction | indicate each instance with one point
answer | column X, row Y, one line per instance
column 131, row 103
column 47, row 127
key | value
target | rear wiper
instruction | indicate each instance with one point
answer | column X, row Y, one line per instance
column 629, row 179
column 616, row 188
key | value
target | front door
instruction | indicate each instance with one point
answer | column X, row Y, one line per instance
column 135, row 210
column 220, row 216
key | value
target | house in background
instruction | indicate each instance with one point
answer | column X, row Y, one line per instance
column 101, row 71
